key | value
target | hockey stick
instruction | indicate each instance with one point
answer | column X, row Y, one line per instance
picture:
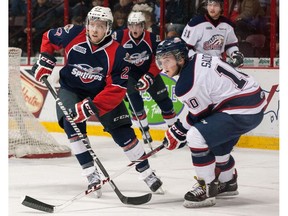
column 141, row 126
column 41, row 206
column 270, row 95
column 124, row 199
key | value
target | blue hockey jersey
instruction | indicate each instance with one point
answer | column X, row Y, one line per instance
column 95, row 71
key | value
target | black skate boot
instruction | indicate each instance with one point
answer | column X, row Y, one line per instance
column 94, row 180
column 201, row 195
column 153, row 182
column 229, row 188
column 146, row 135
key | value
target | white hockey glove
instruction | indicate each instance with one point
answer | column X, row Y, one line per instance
column 83, row 110
column 175, row 136
column 237, row 59
column 44, row 66
column 145, row 82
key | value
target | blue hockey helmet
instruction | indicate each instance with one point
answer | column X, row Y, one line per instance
column 175, row 46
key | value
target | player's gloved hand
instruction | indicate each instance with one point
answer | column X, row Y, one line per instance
column 44, row 66
column 83, row 110
column 145, row 82
column 237, row 59
column 175, row 136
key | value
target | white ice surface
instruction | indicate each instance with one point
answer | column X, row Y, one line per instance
column 55, row 181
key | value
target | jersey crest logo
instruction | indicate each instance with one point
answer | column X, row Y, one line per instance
column 137, row 58
column 86, row 73
column 215, row 43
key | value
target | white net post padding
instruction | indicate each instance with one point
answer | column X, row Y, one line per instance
column 27, row 137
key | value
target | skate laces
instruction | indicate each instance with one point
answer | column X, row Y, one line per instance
column 199, row 188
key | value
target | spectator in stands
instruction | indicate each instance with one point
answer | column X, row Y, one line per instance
column 120, row 20
column 246, row 14
column 97, row 3
column 18, row 8
column 176, row 15
column 79, row 7
column 151, row 24
column 171, row 34
column 77, row 20
column 124, row 5
column 42, row 19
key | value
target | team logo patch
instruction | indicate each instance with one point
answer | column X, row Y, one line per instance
column 214, row 43
column 137, row 58
column 86, row 73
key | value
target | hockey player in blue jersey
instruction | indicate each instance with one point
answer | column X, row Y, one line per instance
column 223, row 104
column 141, row 45
column 213, row 34
column 93, row 82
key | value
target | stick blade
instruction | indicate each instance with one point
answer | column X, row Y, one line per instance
column 38, row 205
column 137, row 200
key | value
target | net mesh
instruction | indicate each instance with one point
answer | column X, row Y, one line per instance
column 27, row 137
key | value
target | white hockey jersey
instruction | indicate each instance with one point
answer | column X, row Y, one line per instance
column 205, row 35
column 208, row 84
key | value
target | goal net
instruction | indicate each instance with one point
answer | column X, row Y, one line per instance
column 27, row 137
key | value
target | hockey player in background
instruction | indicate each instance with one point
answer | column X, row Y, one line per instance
column 145, row 76
column 223, row 104
column 93, row 82
column 213, row 34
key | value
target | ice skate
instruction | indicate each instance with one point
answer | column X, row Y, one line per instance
column 153, row 182
column 146, row 135
column 94, row 180
column 201, row 195
column 229, row 188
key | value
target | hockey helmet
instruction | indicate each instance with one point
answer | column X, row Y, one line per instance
column 101, row 13
column 175, row 46
column 136, row 17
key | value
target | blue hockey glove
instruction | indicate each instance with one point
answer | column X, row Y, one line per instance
column 83, row 110
column 44, row 66
column 175, row 136
column 237, row 59
column 145, row 82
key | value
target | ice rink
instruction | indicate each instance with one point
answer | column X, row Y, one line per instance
column 55, row 181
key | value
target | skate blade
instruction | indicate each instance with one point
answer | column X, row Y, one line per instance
column 97, row 194
column 227, row 194
column 160, row 191
column 206, row 203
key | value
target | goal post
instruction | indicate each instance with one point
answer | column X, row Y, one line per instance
column 27, row 136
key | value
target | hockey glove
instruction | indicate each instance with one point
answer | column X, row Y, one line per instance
column 83, row 110
column 175, row 136
column 145, row 82
column 237, row 59
column 44, row 66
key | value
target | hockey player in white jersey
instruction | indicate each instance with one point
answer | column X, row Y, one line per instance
column 223, row 104
column 213, row 34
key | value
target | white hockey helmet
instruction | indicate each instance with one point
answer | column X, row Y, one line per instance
column 136, row 17
column 101, row 13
